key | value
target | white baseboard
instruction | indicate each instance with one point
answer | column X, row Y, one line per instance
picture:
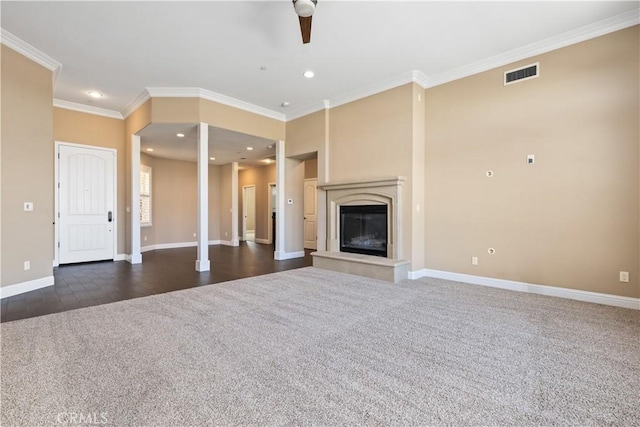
column 263, row 241
column 168, row 246
column 586, row 296
column 21, row 288
column 185, row 245
column 281, row 255
column 120, row 257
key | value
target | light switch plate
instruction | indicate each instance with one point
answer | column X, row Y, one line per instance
column 28, row 206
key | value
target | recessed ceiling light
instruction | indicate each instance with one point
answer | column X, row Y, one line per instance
column 212, row 158
column 285, row 104
column 269, row 147
column 95, row 94
column 149, row 149
column 263, row 67
column 309, row 74
column 267, row 160
column 180, row 135
column 249, row 148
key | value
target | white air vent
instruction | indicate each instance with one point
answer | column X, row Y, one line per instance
column 527, row 72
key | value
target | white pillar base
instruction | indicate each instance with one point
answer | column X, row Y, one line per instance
column 203, row 265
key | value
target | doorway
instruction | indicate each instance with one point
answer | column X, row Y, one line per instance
column 272, row 203
column 249, row 213
column 85, row 204
column 310, row 213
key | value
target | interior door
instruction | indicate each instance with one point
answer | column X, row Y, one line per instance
column 310, row 213
column 249, row 214
column 86, row 202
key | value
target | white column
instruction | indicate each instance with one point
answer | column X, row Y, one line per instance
column 136, row 256
column 280, row 252
column 202, row 263
column 235, row 240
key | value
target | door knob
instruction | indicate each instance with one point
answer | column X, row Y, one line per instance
column 110, row 216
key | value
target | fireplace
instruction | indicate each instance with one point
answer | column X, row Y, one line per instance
column 365, row 216
column 363, row 229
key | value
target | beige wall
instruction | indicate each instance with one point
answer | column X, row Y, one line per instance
column 195, row 110
column 175, row 110
column 174, row 202
column 310, row 168
column 417, row 203
column 225, row 203
column 225, row 117
column 305, row 135
column 27, row 169
column 294, row 213
column 214, row 202
column 98, row 131
column 572, row 218
column 260, row 177
column 372, row 137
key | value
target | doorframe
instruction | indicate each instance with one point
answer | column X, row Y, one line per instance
column 304, row 182
column 56, row 197
column 270, row 206
column 244, row 208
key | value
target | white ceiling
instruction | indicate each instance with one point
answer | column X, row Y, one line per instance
column 224, row 145
column 121, row 48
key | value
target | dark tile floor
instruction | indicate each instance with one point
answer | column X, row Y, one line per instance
column 88, row 284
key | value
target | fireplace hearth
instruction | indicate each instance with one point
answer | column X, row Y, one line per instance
column 363, row 229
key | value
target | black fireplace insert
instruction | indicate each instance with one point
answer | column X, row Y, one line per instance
column 363, row 229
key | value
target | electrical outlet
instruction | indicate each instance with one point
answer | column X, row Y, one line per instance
column 194, row 234
column 624, row 276
column 27, row 265
column 531, row 159
column 474, row 260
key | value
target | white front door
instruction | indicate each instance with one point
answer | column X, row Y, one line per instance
column 310, row 213
column 86, row 204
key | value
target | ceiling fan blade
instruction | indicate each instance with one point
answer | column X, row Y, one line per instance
column 305, row 28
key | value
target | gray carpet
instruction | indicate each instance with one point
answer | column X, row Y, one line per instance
column 313, row 347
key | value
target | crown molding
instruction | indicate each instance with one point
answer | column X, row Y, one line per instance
column 89, row 109
column 195, row 92
column 587, row 32
column 415, row 76
column 420, row 78
column 136, row 103
column 242, row 105
column 25, row 49
column 373, row 89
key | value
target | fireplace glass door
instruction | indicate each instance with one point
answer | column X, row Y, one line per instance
column 363, row 229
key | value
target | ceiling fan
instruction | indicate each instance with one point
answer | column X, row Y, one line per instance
column 305, row 9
